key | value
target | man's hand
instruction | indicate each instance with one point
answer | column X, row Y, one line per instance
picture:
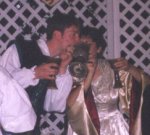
column 46, row 71
column 66, row 57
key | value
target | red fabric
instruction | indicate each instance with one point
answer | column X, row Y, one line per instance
column 135, row 102
column 91, row 107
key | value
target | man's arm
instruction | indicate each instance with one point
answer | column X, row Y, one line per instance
column 17, row 114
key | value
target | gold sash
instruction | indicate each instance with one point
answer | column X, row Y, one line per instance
column 79, row 118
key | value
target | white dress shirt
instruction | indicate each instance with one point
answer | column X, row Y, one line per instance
column 55, row 100
column 16, row 112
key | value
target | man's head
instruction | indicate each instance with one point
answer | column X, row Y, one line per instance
column 65, row 27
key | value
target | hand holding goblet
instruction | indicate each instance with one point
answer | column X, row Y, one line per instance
column 52, row 84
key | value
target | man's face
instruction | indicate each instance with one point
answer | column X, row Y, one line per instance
column 70, row 37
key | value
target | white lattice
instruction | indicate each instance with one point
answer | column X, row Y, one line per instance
column 102, row 14
column 134, row 32
column 33, row 14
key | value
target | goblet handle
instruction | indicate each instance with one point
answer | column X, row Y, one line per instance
column 117, row 83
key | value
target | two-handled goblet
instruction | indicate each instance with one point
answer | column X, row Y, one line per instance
column 117, row 83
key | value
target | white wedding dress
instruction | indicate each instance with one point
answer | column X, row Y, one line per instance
column 106, row 99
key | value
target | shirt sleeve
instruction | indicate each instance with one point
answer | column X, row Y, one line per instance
column 10, row 61
column 16, row 112
column 55, row 100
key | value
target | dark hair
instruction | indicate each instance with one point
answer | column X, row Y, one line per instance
column 60, row 22
column 95, row 35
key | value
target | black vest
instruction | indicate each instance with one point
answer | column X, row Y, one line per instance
column 29, row 56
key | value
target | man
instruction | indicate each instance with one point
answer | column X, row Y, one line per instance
column 16, row 112
column 31, row 70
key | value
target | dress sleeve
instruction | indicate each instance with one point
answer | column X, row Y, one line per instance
column 79, row 118
column 131, row 99
column 136, row 128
